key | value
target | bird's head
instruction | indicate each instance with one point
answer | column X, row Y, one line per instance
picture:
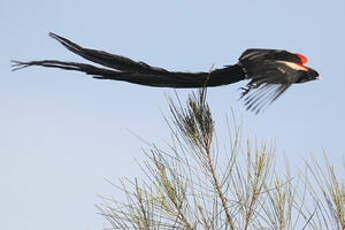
column 309, row 75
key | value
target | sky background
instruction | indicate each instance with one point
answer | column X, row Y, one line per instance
column 62, row 132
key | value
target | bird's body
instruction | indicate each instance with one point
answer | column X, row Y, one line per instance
column 270, row 72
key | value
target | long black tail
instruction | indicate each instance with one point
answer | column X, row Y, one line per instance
column 141, row 73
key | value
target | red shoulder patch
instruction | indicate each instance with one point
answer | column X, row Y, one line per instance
column 302, row 58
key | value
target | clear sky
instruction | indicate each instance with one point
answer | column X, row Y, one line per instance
column 62, row 133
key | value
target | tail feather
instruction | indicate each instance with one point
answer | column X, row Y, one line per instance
column 125, row 69
column 164, row 79
column 106, row 59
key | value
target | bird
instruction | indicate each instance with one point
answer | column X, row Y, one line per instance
column 268, row 72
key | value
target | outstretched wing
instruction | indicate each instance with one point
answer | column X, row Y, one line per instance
column 256, row 99
column 268, row 82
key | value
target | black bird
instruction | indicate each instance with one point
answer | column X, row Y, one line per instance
column 270, row 72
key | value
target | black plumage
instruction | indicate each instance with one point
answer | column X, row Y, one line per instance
column 270, row 72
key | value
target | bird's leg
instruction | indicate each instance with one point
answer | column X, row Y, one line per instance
column 248, row 87
column 245, row 91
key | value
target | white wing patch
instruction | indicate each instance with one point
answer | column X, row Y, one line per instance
column 294, row 66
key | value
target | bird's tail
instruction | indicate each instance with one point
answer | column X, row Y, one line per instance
column 125, row 69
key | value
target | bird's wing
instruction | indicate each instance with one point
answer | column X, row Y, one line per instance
column 257, row 53
column 274, row 72
column 268, row 84
column 271, row 54
column 258, row 98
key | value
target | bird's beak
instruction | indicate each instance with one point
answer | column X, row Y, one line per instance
column 318, row 78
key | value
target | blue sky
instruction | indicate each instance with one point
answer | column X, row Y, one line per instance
column 63, row 132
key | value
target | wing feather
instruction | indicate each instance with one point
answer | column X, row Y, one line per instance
column 259, row 98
